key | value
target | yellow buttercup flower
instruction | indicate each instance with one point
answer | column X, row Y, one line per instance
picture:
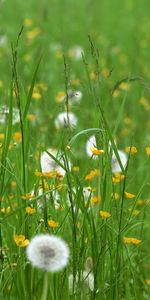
column 132, row 241
column 131, row 149
column 95, row 199
column 52, row 224
column 60, row 96
column 21, row 241
column 27, row 196
column 36, row 95
column 124, row 86
column 147, row 149
column 96, row 151
column 30, row 210
column 129, row 195
column 104, row 214
column 117, row 178
column 17, row 137
column 92, row 174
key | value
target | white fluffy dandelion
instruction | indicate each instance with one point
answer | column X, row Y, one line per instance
column 64, row 120
column 91, row 142
column 115, row 164
column 48, row 252
column 76, row 52
column 86, row 278
column 74, row 96
column 49, row 165
column 4, row 113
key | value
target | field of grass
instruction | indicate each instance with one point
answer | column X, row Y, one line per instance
column 89, row 60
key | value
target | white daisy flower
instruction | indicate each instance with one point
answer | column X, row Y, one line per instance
column 48, row 252
column 115, row 164
column 49, row 165
column 65, row 119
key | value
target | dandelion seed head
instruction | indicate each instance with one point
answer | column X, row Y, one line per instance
column 48, row 164
column 64, row 120
column 115, row 164
column 48, row 252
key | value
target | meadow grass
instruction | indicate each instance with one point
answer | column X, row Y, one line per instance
column 48, row 52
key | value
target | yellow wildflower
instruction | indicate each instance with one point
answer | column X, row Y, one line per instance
column 133, row 241
column 36, row 95
column 30, row 210
column 75, row 169
column 93, row 75
column 75, row 82
column 124, row 86
column 31, row 117
column 52, row 224
column 115, row 196
column 145, row 103
column 104, row 214
column 136, row 212
column 21, row 241
column 105, row 72
column 33, row 34
column 6, row 210
column 28, row 22
column 147, row 281
column 27, row 196
column 117, row 178
column 147, row 149
column 42, row 86
column 1, row 84
column 60, row 96
column 116, row 94
column 2, row 136
column 131, row 149
column 95, row 199
column 129, row 195
column 96, row 151
column 17, row 137
column 38, row 174
column 141, row 202
column 92, row 174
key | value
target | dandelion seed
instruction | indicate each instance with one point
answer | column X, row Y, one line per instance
column 64, row 120
column 48, row 252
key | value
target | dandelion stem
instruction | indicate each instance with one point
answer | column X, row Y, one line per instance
column 45, row 287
